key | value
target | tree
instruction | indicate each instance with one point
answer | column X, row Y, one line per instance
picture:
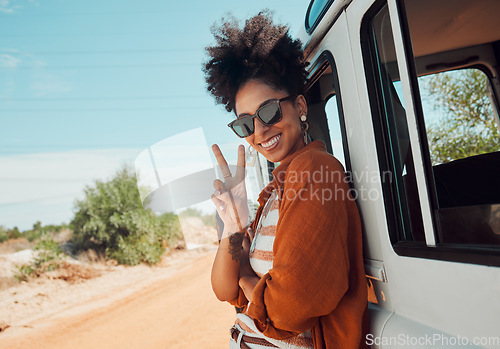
column 112, row 219
column 3, row 234
column 467, row 126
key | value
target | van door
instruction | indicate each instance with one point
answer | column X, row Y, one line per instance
column 441, row 255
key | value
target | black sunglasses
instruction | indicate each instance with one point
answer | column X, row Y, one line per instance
column 268, row 114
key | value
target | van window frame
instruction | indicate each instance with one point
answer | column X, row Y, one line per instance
column 394, row 220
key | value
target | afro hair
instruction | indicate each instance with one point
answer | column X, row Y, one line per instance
column 260, row 50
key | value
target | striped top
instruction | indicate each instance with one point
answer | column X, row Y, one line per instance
column 261, row 260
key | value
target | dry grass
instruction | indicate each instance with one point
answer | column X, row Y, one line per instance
column 15, row 245
column 85, row 265
column 7, row 279
column 91, row 257
column 72, row 272
column 66, row 269
column 63, row 236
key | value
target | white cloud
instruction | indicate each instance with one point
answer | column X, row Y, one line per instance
column 7, row 6
column 49, row 85
column 8, row 61
column 44, row 84
column 13, row 6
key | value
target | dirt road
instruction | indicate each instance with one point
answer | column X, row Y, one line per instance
column 179, row 311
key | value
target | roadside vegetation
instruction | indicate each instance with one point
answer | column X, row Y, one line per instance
column 111, row 220
column 109, row 224
column 6, row 234
column 47, row 257
column 44, row 241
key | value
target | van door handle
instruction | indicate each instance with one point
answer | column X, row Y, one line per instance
column 375, row 270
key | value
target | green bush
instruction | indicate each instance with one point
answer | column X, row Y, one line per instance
column 47, row 252
column 4, row 236
column 111, row 219
column 14, row 233
column 38, row 230
column 32, row 235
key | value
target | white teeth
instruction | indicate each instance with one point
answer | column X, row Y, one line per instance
column 271, row 142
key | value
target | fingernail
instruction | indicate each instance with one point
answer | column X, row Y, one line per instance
column 216, row 193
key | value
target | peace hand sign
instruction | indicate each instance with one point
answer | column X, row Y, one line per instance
column 230, row 196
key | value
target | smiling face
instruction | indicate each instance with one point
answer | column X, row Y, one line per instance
column 274, row 142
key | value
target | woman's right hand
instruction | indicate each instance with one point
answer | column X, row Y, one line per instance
column 230, row 196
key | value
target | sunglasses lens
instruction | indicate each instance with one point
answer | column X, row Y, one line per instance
column 270, row 114
column 243, row 127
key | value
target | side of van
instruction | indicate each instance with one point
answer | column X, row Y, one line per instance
column 431, row 224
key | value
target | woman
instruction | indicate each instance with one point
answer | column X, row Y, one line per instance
column 297, row 269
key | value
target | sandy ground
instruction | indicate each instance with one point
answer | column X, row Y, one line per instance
column 167, row 306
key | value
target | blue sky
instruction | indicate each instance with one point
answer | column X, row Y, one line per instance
column 87, row 85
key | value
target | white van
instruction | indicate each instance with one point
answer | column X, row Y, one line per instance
column 431, row 226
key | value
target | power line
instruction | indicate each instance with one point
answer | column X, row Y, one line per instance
column 118, row 98
column 101, row 34
column 190, row 10
column 35, row 179
column 103, row 51
column 112, row 146
column 104, row 66
column 103, row 109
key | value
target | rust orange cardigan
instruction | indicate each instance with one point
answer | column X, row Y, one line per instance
column 317, row 281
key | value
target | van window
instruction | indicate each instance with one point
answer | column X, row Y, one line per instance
column 325, row 112
column 460, row 116
column 464, row 147
column 333, row 117
column 457, row 112
column 315, row 12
